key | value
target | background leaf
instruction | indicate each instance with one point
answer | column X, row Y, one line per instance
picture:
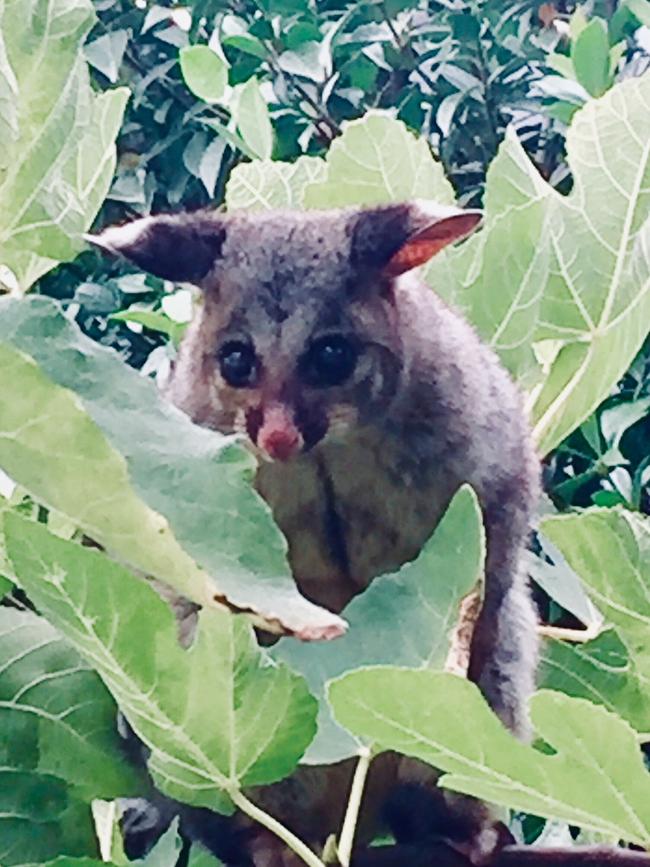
column 265, row 184
column 601, row 671
column 497, row 276
column 590, row 57
column 56, row 716
column 253, row 120
column 378, row 160
column 204, row 72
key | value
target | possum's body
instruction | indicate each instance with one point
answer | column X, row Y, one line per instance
column 378, row 401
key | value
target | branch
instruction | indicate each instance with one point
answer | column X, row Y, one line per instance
column 440, row 854
column 580, row 856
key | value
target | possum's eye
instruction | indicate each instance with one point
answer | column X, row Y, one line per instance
column 328, row 361
column 238, row 363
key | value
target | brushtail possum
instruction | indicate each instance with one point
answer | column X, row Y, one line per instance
column 369, row 401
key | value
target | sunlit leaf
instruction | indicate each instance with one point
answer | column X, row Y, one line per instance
column 159, row 493
column 378, row 160
column 59, row 150
column 597, row 297
column 265, row 184
column 610, row 550
column 443, row 720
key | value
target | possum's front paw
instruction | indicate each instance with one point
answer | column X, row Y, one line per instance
column 417, row 814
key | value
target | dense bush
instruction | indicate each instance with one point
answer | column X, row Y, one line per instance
column 539, row 112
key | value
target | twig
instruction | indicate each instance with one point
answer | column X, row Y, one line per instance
column 406, row 50
column 346, row 839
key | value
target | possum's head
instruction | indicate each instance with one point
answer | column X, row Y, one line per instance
column 297, row 339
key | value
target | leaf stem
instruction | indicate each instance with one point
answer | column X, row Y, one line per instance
column 354, row 804
column 301, row 849
column 577, row 636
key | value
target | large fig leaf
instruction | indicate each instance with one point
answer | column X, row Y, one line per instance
column 216, row 717
column 378, row 160
column 597, row 296
column 610, row 550
column 600, row 670
column 406, row 618
column 59, row 747
column 497, row 277
column 264, row 184
column 56, row 716
column 90, row 437
column 41, row 818
column 443, row 719
column 58, row 153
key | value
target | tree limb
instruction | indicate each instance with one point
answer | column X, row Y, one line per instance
column 440, row 854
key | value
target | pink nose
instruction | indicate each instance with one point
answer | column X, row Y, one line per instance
column 279, row 437
column 279, row 444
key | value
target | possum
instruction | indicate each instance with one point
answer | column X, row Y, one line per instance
column 368, row 401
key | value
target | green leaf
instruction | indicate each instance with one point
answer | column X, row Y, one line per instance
column 229, row 137
column 640, row 9
column 216, row 717
column 55, row 714
column 578, row 22
column 166, row 497
column 590, row 57
column 265, row 184
column 164, row 854
column 106, row 53
column 610, row 551
column 598, row 670
column 597, row 296
column 155, row 320
column 615, row 420
column 204, row 72
column 41, row 819
column 246, row 43
column 253, row 121
column 9, row 130
column 513, row 242
column 561, row 64
column 378, row 160
column 595, row 778
column 60, row 152
column 421, row 601
column 562, row 584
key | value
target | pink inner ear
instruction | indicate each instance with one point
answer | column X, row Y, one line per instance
column 414, row 253
column 426, row 243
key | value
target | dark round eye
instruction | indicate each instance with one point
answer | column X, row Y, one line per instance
column 238, row 363
column 329, row 361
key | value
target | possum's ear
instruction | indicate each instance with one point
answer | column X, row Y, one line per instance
column 181, row 248
column 395, row 238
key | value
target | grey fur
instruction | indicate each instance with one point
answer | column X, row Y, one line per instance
column 428, row 408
